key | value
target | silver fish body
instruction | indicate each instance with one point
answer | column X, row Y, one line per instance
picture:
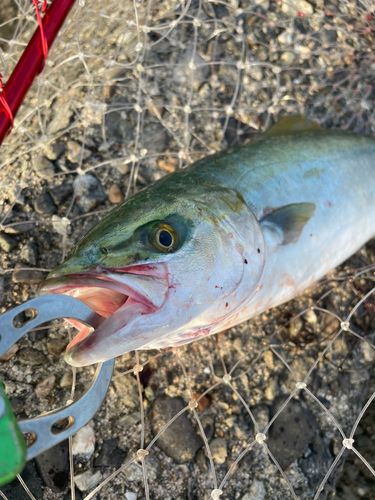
column 249, row 228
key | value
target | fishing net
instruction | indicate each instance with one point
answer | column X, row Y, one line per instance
column 280, row 407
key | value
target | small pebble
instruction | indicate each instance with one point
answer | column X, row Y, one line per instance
column 55, row 150
column 45, row 386
column 257, row 491
column 295, row 7
column 16, row 404
column 180, row 440
column 170, row 165
column 288, row 57
column 66, row 380
column 56, row 346
column 7, row 243
column 60, row 193
column 122, row 167
column 88, row 192
column 311, row 317
column 44, row 205
column 31, row 357
column 131, row 419
column 218, row 447
column 368, row 352
column 110, row 455
column 115, row 195
column 28, row 276
column 61, row 114
column 237, row 344
column 75, row 152
column 156, row 106
column 203, row 403
column 271, row 389
column 43, row 167
column 127, row 390
column 286, row 37
column 268, row 359
column 21, row 228
column 29, row 254
column 9, row 353
column 88, row 480
column 256, row 73
column 291, row 432
column 295, row 328
column 84, row 442
column 63, row 164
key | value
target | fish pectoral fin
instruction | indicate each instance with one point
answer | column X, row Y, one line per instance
column 290, row 125
column 286, row 223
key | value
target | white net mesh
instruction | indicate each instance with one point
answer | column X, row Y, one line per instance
column 130, row 92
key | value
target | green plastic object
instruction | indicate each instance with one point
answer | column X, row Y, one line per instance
column 12, row 444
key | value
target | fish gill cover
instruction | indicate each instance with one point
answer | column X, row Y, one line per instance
column 130, row 92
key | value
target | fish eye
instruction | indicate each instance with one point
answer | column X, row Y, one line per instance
column 165, row 238
column 104, row 250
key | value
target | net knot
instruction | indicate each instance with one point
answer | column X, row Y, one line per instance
column 300, row 385
column 348, row 443
column 260, row 437
column 216, row 493
column 141, row 454
column 345, row 325
column 137, row 368
column 227, row 378
column 193, row 404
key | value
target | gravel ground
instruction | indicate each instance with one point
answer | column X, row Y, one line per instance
column 115, row 109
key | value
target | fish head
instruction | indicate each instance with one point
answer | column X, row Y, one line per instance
column 164, row 268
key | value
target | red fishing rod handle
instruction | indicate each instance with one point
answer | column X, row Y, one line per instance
column 31, row 63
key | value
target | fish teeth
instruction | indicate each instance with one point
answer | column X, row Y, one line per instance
column 153, row 289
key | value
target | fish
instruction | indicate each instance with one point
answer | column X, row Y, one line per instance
column 214, row 244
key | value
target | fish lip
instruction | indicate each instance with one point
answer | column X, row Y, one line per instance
column 69, row 283
column 91, row 279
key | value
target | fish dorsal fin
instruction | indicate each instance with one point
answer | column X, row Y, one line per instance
column 285, row 224
column 290, row 125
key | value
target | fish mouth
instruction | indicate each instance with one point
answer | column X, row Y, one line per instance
column 118, row 295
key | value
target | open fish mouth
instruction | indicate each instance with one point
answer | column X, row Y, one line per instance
column 118, row 295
